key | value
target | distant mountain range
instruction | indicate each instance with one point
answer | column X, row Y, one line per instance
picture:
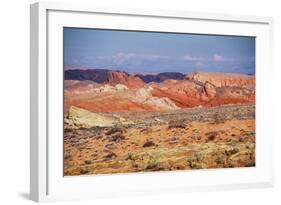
column 105, row 76
column 160, row 77
column 96, row 75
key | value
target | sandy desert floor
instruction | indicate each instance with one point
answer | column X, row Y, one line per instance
column 194, row 138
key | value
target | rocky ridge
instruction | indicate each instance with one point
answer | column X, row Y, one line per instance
column 129, row 92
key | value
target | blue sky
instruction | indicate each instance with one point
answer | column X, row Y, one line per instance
column 153, row 52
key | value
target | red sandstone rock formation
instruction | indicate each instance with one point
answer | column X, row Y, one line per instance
column 124, row 92
column 224, row 79
column 118, row 77
column 191, row 93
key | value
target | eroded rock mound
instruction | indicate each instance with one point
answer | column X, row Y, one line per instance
column 224, row 79
column 144, row 95
column 89, row 87
column 184, row 93
column 119, row 77
column 192, row 93
column 80, row 118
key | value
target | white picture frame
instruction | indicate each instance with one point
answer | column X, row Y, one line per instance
column 46, row 178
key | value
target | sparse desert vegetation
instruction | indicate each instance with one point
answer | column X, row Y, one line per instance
column 159, row 141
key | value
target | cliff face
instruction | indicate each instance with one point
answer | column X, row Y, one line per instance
column 119, row 77
column 185, row 93
column 208, row 89
column 224, row 79
column 104, row 76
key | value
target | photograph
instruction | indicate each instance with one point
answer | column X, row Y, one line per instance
column 147, row 101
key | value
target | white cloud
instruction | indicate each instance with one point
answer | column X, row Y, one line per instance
column 131, row 58
column 217, row 58
column 198, row 64
column 154, row 57
column 191, row 58
column 220, row 58
column 118, row 58
column 199, row 60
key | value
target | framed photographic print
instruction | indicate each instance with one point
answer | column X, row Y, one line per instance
column 127, row 102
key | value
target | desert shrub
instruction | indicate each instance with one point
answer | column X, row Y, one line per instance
column 211, row 137
column 195, row 161
column 251, row 164
column 130, row 156
column 179, row 165
column 197, row 137
column 146, row 130
column 194, row 165
column 67, row 156
column 117, row 137
column 233, row 141
column 197, row 166
column 198, row 156
column 136, row 165
column 84, row 171
column 251, row 134
column 110, row 155
column 152, row 164
column 149, row 144
column 243, row 138
column 88, row 162
column 219, row 160
column 230, row 164
column 250, row 146
column 144, row 162
column 232, row 151
column 114, row 130
column 217, row 118
column 176, row 124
